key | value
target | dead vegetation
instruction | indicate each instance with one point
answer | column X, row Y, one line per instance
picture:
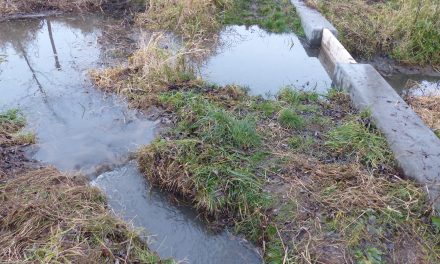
column 47, row 217
column 192, row 19
column 12, row 7
column 152, row 69
column 428, row 108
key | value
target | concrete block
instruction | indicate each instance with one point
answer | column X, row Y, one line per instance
column 332, row 52
column 415, row 146
column 312, row 22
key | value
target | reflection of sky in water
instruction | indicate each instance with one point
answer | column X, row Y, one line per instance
column 415, row 85
column 177, row 230
column 264, row 62
column 78, row 127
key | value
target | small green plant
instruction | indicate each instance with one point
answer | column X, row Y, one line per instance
column 371, row 255
column 267, row 108
column 290, row 119
column 218, row 126
column 300, row 142
column 12, row 116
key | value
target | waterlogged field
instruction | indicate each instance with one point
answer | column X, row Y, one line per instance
column 209, row 126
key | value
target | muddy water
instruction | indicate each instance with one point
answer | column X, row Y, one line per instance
column 415, row 84
column 265, row 62
column 80, row 128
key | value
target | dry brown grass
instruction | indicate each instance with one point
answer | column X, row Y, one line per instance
column 338, row 213
column 11, row 7
column 193, row 19
column 428, row 108
column 47, row 217
column 152, row 69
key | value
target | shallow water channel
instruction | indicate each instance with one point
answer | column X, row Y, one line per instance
column 79, row 128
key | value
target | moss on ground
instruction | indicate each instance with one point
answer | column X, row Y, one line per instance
column 49, row 217
column 406, row 30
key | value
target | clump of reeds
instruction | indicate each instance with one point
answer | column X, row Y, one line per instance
column 48, row 217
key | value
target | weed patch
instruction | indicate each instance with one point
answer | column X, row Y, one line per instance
column 151, row 69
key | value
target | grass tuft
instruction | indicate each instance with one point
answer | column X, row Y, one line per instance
column 290, row 119
column 355, row 140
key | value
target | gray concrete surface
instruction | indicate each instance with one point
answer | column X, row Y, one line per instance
column 415, row 146
column 312, row 22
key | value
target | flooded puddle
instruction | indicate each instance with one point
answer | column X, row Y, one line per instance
column 265, row 62
column 80, row 128
column 415, row 85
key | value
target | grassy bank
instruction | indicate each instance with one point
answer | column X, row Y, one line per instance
column 406, row 30
column 304, row 175
column 49, row 217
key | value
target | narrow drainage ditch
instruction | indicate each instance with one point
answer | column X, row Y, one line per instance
column 79, row 128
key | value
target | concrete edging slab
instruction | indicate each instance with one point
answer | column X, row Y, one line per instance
column 416, row 148
column 312, row 22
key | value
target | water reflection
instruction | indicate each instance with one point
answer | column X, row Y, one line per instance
column 264, row 62
column 80, row 128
